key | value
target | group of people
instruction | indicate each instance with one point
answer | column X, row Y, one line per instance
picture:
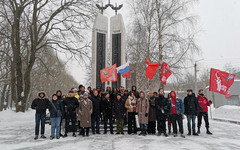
column 84, row 109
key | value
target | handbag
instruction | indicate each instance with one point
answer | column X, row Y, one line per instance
column 59, row 113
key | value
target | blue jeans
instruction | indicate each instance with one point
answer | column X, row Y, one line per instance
column 55, row 125
column 40, row 117
column 191, row 118
column 143, row 126
column 95, row 119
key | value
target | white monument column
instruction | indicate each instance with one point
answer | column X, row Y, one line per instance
column 118, row 42
column 99, row 48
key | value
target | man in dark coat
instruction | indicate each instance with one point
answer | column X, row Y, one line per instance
column 152, row 115
column 71, row 104
column 191, row 106
column 96, row 102
column 119, row 112
column 40, row 104
column 161, row 104
column 107, row 112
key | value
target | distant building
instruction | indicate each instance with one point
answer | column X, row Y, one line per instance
column 220, row 100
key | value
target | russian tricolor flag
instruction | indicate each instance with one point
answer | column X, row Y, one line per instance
column 124, row 70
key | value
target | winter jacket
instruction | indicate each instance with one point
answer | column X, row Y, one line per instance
column 71, row 103
column 58, row 105
column 131, row 104
column 152, row 109
column 161, row 104
column 84, row 114
column 178, row 104
column 143, row 110
column 118, row 109
column 191, row 105
column 107, row 107
column 203, row 103
column 96, row 102
column 40, row 104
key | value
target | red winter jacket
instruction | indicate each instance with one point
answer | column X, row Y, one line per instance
column 203, row 103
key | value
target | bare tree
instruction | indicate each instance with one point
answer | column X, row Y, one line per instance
column 36, row 25
column 169, row 29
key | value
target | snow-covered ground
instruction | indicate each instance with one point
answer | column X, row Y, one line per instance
column 17, row 132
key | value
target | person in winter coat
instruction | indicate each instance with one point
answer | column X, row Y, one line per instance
column 152, row 115
column 71, row 103
column 40, row 104
column 168, row 117
column 119, row 111
column 96, row 102
column 176, row 110
column 85, row 112
column 56, row 112
column 107, row 112
column 191, row 106
column 203, row 103
column 134, row 90
column 76, row 93
column 78, row 115
column 161, row 104
column 60, row 98
column 113, row 95
column 143, row 111
column 130, row 105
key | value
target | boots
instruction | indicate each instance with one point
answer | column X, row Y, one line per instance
column 43, row 137
column 208, row 132
column 198, row 131
column 159, row 133
column 36, row 137
column 144, row 133
column 141, row 133
column 87, row 132
column 165, row 134
column 189, row 133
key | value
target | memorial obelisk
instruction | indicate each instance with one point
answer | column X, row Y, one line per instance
column 101, row 57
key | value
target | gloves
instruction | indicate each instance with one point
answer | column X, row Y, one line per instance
column 146, row 114
column 210, row 101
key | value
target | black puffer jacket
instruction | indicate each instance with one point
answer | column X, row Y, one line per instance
column 40, row 104
column 161, row 104
column 191, row 105
column 96, row 102
column 107, row 107
column 58, row 105
column 118, row 109
column 71, row 103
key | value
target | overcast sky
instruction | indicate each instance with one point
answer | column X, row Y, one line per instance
column 219, row 40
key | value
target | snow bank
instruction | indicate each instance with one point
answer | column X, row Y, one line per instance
column 227, row 112
column 12, row 116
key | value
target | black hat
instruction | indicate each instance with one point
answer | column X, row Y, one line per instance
column 70, row 91
column 119, row 94
column 189, row 90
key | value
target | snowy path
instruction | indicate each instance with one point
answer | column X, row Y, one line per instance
column 19, row 133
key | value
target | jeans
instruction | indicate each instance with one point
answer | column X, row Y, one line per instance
column 119, row 123
column 177, row 119
column 205, row 116
column 40, row 117
column 95, row 119
column 132, row 123
column 106, row 119
column 143, row 127
column 55, row 125
column 191, row 118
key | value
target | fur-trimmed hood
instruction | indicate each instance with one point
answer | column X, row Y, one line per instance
column 42, row 92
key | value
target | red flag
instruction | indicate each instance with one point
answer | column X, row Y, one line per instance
column 220, row 81
column 228, row 94
column 151, row 69
column 109, row 74
column 166, row 72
